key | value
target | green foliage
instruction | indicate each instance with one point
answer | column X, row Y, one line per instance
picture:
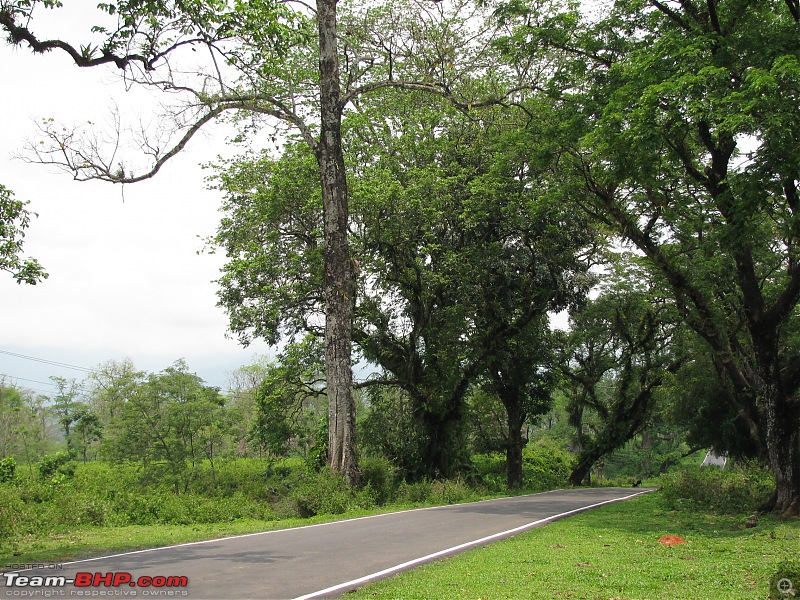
column 169, row 422
column 7, row 468
column 701, row 405
column 307, row 492
column 389, row 429
column 451, row 491
column 682, row 120
column 623, row 347
column 546, row 464
column 380, row 476
column 317, row 493
column 742, row 489
column 288, row 400
column 56, row 464
column 640, row 460
column 417, row 492
column 438, row 491
column 14, row 220
column 489, row 471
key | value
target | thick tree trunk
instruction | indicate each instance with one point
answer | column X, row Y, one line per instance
column 338, row 270
column 515, row 419
column 582, row 469
column 783, row 449
column 441, row 451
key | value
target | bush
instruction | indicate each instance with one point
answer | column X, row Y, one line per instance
column 56, row 464
column 380, row 476
column 451, row 491
column 323, row 493
column 546, row 465
column 12, row 513
column 7, row 468
column 489, row 470
column 729, row 491
column 417, row 492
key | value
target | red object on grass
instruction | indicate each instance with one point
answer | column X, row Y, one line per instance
column 672, row 540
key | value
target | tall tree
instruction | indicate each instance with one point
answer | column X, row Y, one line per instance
column 458, row 253
column 272, row 62
column 685, row 121
column 521, row 373
column 65, row 405
column 619, row 353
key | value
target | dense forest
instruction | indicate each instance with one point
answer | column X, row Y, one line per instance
column 439, row 181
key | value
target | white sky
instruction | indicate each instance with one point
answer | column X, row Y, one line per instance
column 125, row 277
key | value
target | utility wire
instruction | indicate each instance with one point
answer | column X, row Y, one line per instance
column 14, row 377
column 47, row 362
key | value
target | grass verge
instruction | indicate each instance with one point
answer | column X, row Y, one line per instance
column 613, row 553
column 89, row 542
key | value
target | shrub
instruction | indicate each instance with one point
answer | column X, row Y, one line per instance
column 321, row 493
column 12, row 513
column 380, row 476
column 729, row 491
column 56, row 464
column 451, row 491
column 489, row 470
column 416, row 492
column 546, row 465
column 7, row 468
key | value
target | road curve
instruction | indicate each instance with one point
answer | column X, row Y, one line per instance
column 317, row 561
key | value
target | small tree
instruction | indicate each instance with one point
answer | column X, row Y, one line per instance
column 87, row 429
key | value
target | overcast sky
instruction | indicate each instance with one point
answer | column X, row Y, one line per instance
column 125, row 279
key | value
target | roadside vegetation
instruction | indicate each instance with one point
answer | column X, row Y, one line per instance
column 70, row 509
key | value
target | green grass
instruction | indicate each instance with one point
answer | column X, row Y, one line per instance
column 85, row 542
column 613, row 553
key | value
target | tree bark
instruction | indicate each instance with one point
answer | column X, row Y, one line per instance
column 581, row 472
column 782, row 433
column 443, row 439
column 338, row 270
column 515, row 419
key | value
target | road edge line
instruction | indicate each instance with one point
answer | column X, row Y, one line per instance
column 255, row 533
column 465, row 546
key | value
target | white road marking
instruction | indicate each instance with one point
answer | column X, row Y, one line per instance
column 423, row 559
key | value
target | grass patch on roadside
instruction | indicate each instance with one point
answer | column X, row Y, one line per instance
column 98, row 541
column 86, row 542
column 613, row 552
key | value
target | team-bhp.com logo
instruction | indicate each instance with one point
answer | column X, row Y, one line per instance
column 88, row 582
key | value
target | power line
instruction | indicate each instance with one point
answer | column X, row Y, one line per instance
column 47, row 362
column 30, row 380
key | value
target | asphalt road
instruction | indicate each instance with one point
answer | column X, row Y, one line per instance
column 318, row 561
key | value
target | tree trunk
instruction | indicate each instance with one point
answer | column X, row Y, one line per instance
column 338, row 270
column 783, row 449
column 515, row 418
column 582, row 469
column 443, row 444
